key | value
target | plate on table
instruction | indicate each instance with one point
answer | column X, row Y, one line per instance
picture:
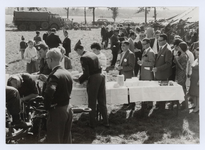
column 87, row 109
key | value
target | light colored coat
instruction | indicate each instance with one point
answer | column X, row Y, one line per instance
column 148, row 61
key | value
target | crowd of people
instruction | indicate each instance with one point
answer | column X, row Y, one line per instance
column 143, row 53
column 147, row 54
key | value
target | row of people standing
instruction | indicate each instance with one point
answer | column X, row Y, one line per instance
column 30, row 50
column 158, row 61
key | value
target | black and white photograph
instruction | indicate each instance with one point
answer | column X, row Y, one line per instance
column 102, row 75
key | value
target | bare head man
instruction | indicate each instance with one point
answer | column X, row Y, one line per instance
column 53, row 57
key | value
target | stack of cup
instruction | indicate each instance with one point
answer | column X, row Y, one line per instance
column 120, row 80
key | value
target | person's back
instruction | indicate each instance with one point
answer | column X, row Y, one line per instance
column 64, row 87
column 53, row 41
column 23, row 45
column 92, row 62
column 28, row 85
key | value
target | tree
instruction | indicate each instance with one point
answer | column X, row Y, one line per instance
column 93, row 8
column 115, row 12
column 85, row 15
column 146, row 10
column 155, row 12
column 67, row 11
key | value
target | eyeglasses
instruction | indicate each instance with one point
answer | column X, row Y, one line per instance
column 160, row 40
column 47, row 58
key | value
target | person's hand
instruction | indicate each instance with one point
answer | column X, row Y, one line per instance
column 119, row 68
column 154, row 69
column 42, row 77
column 33, row 58
column 139, row 62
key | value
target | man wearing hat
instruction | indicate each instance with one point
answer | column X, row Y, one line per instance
column 53, row 40
column 96, row 84
column 42, row 50
column 37, row 38
column 127, row 61
column 114, row 46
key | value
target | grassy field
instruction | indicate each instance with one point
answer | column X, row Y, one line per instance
column 128, row 125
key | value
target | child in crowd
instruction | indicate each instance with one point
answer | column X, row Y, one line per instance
column 23, row 46
column 30, row 56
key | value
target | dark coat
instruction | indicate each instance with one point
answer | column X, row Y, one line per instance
column 90, row 65
column 67, row 45
column 163, row 64
column 57, row 88
column 53, row 41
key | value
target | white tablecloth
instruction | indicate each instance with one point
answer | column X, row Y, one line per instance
column 113, row 95
column 137, row 90
column 152, row 91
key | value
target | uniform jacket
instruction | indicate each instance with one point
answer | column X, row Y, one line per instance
column 67, row 45
column 57, row 88
column 90, row 65
column 148, row 60
column 163, row 63
column 128, row 64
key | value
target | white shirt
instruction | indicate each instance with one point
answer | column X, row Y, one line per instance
column 137, row 37
column 30, row 53
column 103, row 60
column 155, row 46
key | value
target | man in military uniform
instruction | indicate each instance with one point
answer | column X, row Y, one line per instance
column 42, row 50
column 56, row 93
column 96, row 84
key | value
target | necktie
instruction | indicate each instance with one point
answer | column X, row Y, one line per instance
column 160, row 49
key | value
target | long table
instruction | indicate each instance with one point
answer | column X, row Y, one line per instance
column 137, row 91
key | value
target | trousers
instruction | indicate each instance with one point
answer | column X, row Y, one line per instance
column 97, row 93
column 115, row 51
column 59, row 124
